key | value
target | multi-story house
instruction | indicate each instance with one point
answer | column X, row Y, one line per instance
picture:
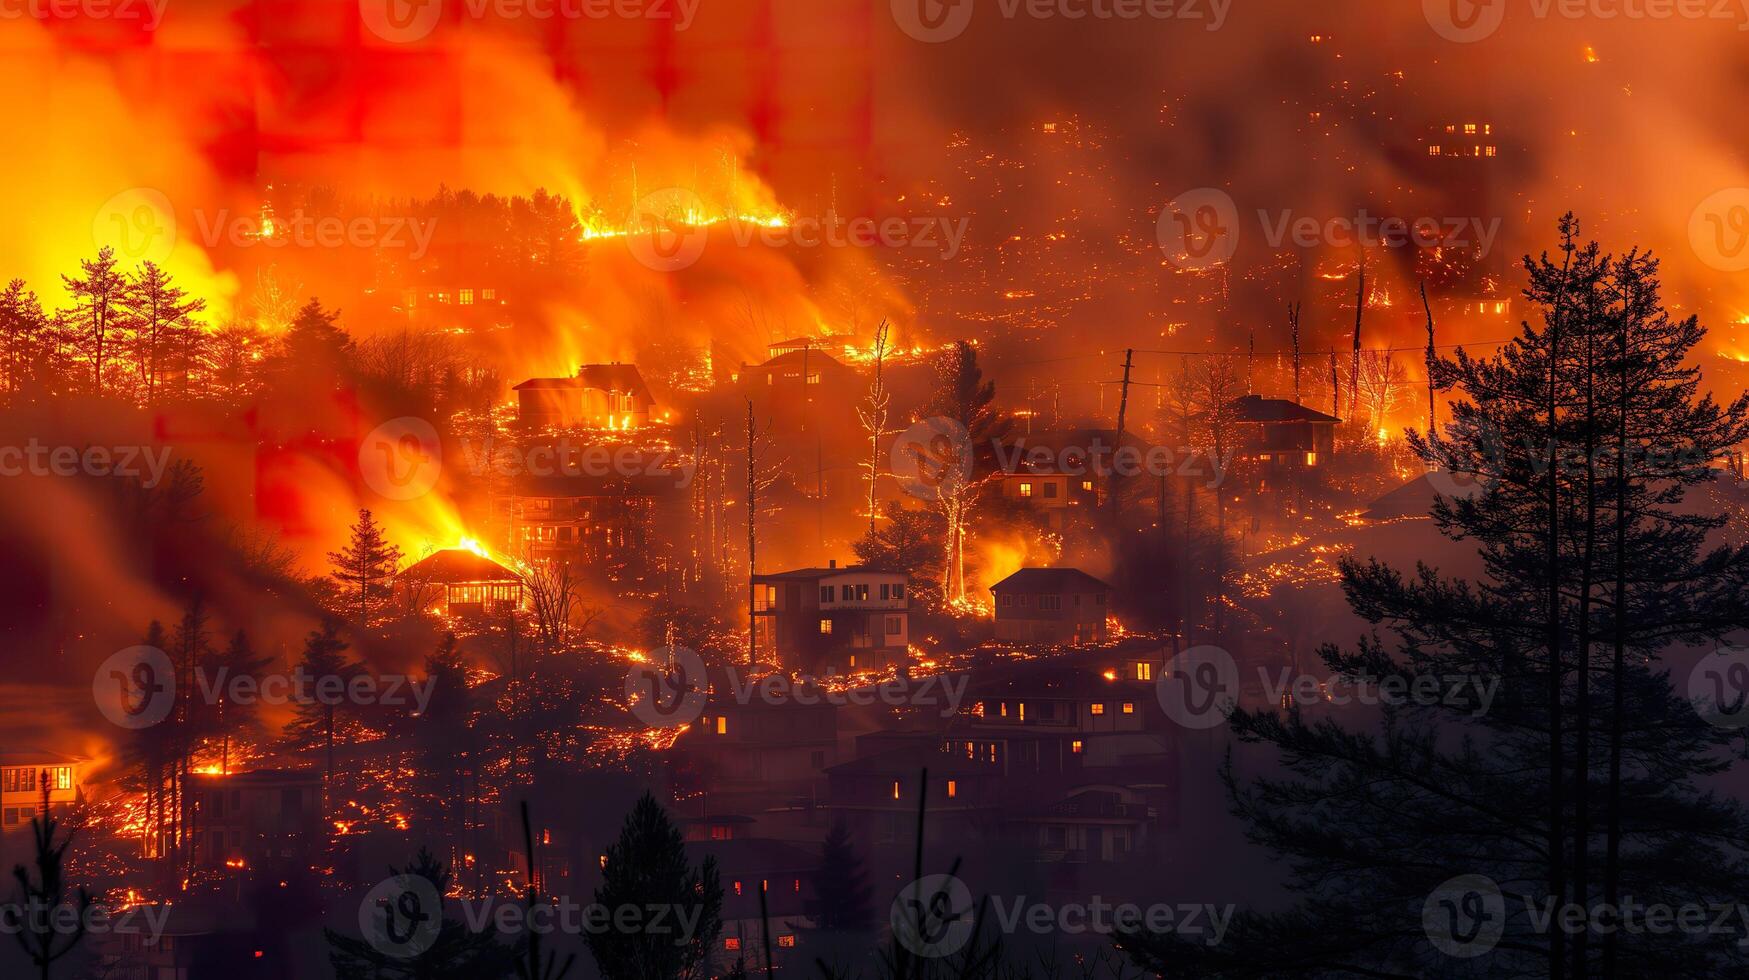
column 1060, row 606
column 26, row 773
column 256, row 819
column 599, row 396
column 832, row 620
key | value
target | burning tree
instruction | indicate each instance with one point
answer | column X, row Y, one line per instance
column 1380, row 385
column 873, row 414
column 963, row 397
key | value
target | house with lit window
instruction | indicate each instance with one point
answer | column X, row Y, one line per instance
column 762, row 749
column 1062, row 474
column 785, row 871
column 465, row 584
column 1058, row 606
column 598, row 396
column 26, row 773
column 1283, row 433
column 801, row 388
column 832, row 620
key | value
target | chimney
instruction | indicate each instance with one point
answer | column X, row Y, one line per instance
column 831, row 563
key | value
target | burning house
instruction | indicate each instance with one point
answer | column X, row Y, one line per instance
column 831, row 620
column 598, row 396
column 466, row 583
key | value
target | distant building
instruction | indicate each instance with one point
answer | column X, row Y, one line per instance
column 761, row 750
column 601, row 396
column 465, row 584
column 786, row 872
column 831, row 620
column 255, row 819
column 1283, row 432
column 602, row 524
column 25, row 773
column 803, row 389
column 1063, row 606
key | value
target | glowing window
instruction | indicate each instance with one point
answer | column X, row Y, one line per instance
column 1433, row 150
column 1144, row 672
column 1087, row 484
column 1075, row 747
column 825, row 627
column 733, row 942
column 467, row 297
column 1097, row 708
column 1129, row 707
column 786, row 941
column 722, row 725
column 953, row 789
column 895, row 789
column 1026, row 489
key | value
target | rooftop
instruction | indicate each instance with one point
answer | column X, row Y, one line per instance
column 1050, row 580
column 1256, row 408
column 460, row 565
column 602, row 377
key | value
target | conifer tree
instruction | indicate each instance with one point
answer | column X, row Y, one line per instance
column 648, row 868
column 365, row 570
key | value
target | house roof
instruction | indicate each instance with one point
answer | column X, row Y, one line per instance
column 460, row 565
column 39, row 757
column 1256, row 408
column 812, row 355
column 601, row 377
column 818, row 573
column 1049, row 580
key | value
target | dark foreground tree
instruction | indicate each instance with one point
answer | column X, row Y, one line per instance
column 1505, row 834
column 44, row 901
column 842, row 884
column 647, row 869
column 323, row 671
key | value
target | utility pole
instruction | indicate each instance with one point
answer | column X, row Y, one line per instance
column 1354, row 369
column 1335, row 388
column 1123, row 404
column 1251, row 361
column 752, row 543
column 1293, row 326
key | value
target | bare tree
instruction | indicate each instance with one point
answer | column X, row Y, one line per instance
column 873, row 414
column 1216, row 388
column 1380, row 385
column 552, row 595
